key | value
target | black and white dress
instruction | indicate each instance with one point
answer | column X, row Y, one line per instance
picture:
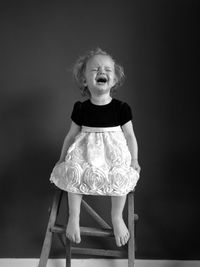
column 98, row 162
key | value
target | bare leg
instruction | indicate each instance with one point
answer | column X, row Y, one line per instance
column 120, row 230
column 73, row 227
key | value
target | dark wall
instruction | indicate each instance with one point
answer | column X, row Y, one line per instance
column 156, row 42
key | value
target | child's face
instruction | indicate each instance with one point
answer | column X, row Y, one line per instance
column 100, row 74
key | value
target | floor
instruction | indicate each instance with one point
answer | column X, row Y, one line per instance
column 98, row 263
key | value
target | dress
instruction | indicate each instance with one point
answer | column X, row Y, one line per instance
column 98, row 162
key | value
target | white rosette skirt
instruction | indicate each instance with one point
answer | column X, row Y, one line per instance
column 97, row 163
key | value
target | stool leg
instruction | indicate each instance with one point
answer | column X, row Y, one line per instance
column 48, row 237
column 131, row 242
column 68, row 252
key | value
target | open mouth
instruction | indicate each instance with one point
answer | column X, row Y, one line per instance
column 101, row 80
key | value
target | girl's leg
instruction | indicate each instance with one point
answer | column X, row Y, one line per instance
column 120, row 230
column 73, row 227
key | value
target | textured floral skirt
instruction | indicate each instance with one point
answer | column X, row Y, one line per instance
column 97, row 163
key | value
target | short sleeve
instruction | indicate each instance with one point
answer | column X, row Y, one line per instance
column 76, row 115
column 125, row 113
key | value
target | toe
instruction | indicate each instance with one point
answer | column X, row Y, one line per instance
column 73, row 238
column 77, row 239
column 118, row 241
column 123, row 241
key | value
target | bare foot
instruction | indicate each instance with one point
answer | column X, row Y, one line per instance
column 73, row 229
column 120, row 231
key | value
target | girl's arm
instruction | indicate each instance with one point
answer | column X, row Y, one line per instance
column 73, row 131
column 132, row 144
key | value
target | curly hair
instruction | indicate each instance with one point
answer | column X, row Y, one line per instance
column 80, row 66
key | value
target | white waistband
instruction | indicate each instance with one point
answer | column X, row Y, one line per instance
column 87, row 129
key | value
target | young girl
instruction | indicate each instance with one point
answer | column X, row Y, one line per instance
column 100, row 153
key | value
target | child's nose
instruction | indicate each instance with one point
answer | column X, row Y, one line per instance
column 101, row 70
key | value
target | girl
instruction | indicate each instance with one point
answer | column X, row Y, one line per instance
column 100, row 153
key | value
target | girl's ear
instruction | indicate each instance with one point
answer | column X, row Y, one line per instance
column 115, row 79
column 84, row 82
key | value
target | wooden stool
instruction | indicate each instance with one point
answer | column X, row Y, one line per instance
column 104, row 230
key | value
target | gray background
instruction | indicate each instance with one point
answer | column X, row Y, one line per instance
column 156, row 42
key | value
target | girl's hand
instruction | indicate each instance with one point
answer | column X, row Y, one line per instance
column 135, row 165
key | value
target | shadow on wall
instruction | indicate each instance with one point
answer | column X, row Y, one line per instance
column 28, row 149
column 25, row 132
column 170, row 216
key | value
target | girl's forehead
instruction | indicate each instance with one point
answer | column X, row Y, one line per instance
column 101, row 60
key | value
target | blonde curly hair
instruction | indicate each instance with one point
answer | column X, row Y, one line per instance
column 80, row 66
